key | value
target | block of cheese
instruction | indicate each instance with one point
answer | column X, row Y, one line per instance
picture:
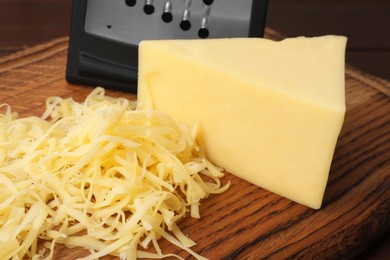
column 270, row 112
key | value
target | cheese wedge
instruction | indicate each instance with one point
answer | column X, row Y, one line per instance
column 269, row 112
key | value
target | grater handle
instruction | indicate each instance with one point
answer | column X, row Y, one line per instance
column 98, row 68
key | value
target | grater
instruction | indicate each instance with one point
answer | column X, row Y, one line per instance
column 104, row 35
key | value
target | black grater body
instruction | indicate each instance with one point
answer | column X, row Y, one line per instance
column 105, row 34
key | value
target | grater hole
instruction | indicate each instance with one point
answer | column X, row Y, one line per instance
column 208, row 2
column 167, row 17
column 185, row 25
column 148, row 9
column 109, row 26
column 131, row 2
column 203, row 33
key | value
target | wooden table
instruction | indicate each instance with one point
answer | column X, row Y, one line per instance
column 38, row 72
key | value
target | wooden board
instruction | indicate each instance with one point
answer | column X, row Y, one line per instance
column 247, row 222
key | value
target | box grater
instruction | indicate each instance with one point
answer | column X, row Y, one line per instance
column 104, row 36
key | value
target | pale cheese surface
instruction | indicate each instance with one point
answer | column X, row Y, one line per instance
column 290, row 66
column 269, row 112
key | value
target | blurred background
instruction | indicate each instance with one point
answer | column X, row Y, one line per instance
column 366, row 23
column 25, row 23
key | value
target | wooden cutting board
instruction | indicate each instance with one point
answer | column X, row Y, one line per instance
column 247, row 222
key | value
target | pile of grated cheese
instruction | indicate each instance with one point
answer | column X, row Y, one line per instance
column 101, row 174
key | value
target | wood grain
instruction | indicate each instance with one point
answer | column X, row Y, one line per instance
column 248, row 222
column 24, row 23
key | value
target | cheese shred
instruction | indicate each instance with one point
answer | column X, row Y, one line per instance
column 101, row 174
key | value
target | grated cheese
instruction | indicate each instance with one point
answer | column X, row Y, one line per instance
column 101, row 174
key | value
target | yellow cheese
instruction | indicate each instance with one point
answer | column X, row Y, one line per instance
column 269, row 112
column 102, row 175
